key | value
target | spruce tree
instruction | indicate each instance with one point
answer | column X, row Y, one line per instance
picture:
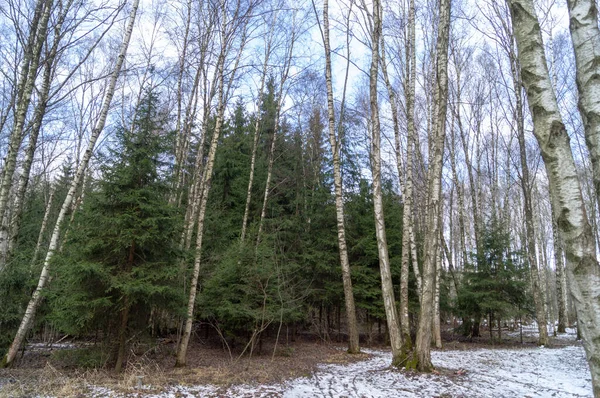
column 119, row 264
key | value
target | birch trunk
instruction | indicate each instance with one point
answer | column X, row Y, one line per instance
column 422, row 356
column 256, row 133
column 387, row 289
column 54, row 240
column 180, row 128
column 205, row 189
column 40, row 239
column 526, row 186
column 459, row 195
column 227, row 30
column 406, row 184
column 10, row 235
column 437, row 327
column 280, row 99
column 579, row 244
column 561, row 280
column 26, row 83
column 335, row 142
column 583, row 24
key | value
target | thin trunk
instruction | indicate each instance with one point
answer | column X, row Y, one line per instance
column 461, row 202
column 437, row 329
column 335, row 142
column 40, row 239
column 579, row 242
column 382, row 248
column 39, row 113
column 407, row 215
column 205, row 189
column 256, row 133
column 526, row 187
column 263, row 211
column 422, row 359
column 26, row 84
column 180, row 139
column 561, row 280
column 54, row 241
column 404, row 185
column 415, row 259
column 450, row 263
column 583, row 24
column 280, row 99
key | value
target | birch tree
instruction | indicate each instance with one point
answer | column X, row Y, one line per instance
column 335, row 143
column 583, row 24
column 233, row 25
column 579, row 243
column 405, row 179
column 30, row 312
column 387, row 289
column 25, row 86
column 265, row 67
column 422, row 355
column 66, row 33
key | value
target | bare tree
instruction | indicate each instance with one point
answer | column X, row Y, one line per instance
column 422, row 355
column 267, row 54
column 583, row 24
column 387, row 289
column 335, row 142
column 549, row 129
column 233, row 24
column 29, row 315
column 26, row 84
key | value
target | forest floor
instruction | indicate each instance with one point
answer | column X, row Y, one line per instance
column 317, row 369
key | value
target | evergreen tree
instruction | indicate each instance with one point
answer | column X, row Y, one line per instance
column 121, row 256
column 494, row 284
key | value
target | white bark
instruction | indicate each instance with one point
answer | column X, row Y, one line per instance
column 226, row 31
column 387, row 289
column 203, row 197
column 54, row 241
column 335, row 142
column 280, row 99
column 583, row 24
column 263, row 77
column 40, row 239
column 406, row 184
column 9, row 236
column 25, row 87
column 437, row 330
column 434, row 202
column 582, row 266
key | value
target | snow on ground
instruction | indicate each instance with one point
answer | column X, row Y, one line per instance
column 494, row 373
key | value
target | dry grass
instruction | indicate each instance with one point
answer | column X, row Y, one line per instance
column 155, row 371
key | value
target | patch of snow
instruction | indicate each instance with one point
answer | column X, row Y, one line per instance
column 493, row 373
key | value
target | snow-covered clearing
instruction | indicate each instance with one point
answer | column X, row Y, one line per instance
column 528, row 372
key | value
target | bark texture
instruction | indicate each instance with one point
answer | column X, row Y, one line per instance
column 583, row 24
column 561, row 280
column 29, row 315
column 422, row 355
column 25, row 86
column 526, row 187
column 353, row 337
column 203, row 198
column 406, row 182
column 387, row 289
column 579, row 244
